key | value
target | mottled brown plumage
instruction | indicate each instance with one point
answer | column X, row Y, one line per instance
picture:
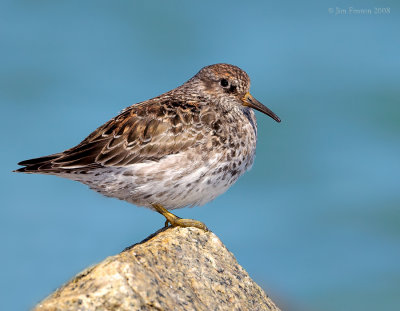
column 199, row 137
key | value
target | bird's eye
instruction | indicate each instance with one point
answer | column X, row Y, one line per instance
column 224, row 82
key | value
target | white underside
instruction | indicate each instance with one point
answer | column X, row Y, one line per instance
column 173, row 182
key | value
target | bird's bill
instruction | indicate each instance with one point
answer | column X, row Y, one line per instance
column 250, row 101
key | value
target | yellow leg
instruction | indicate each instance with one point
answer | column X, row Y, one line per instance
column 176, row 221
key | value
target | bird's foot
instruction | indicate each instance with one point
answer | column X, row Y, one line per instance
column 176, row 221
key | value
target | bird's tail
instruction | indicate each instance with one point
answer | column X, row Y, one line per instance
column 42, row 165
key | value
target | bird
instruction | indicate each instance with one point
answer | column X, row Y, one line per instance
column 180, row 149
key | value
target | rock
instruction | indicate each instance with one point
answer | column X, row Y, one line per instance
column 173, row 269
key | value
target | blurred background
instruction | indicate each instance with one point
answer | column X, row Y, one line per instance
column 316, row 222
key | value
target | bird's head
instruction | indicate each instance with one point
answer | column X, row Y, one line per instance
column 230, row 85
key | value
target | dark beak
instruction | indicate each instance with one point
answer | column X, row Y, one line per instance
column 250, row 101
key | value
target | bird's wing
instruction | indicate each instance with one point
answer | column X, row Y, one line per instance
column 147, row 131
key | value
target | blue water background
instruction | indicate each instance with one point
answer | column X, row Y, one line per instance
column 316, row 222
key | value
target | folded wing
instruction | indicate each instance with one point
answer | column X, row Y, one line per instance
column 144, row 132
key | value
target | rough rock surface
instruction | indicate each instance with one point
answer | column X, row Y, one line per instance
column 173, row 269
